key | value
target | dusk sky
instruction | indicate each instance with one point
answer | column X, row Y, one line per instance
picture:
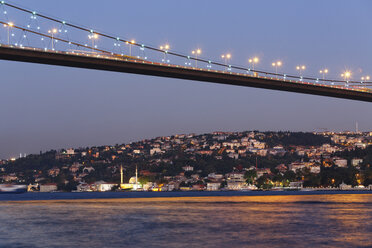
column 50, row 107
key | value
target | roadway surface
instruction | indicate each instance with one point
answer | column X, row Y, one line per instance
column 138, row 66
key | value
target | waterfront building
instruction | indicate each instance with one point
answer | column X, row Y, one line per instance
column 235, row 180
column 213, row 186
column 198, row 187
column 296, row 185
column 103, row 186
column 83, row 187
column 49, row 187
column 344, row 186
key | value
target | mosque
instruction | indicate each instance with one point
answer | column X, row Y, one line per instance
column 133, row 181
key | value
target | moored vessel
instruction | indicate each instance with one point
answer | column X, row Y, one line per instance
column 12, row 189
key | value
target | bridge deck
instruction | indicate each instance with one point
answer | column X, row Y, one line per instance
column 175, row 71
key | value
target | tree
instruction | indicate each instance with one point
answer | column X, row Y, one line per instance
column 264, row 182
column 289, row 176
column 250, row 176
column 367, row 177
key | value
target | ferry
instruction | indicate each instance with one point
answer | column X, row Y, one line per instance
column 12, row 189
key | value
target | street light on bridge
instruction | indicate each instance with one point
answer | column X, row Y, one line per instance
column 346, row 75
column 323, row 72
column 301, row 69
column 226, row 57
column 366, row 78
column 53, row 32
column 9, row 25
column 253, row 61
column 165, row 48
column 130, row 46
column 93, row 37
column 276, row 65
column 196, row 53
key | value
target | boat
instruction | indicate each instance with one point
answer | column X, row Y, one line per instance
column 12, row 189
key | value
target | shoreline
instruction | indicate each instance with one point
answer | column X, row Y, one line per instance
column 57, row 196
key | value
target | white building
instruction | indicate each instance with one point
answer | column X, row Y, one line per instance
column 188, row 168
column 70, row 151
column 215, row 176
column 213, row 186
column 50, row 187
column 341, row 162
column 356, row 161
column 296, row 166
column 235, row 176
column 231, row 185
column 155, row 150
column 259, row 145
column 315, row 169
column 103, row 186
column 235, row 180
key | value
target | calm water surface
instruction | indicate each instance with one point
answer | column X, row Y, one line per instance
column 240, row 221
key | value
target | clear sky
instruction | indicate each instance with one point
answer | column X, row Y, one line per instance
column 49, row 107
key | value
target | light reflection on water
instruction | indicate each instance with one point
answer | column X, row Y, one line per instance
column 244, row 221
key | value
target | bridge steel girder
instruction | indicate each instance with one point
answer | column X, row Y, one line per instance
column 180, row 72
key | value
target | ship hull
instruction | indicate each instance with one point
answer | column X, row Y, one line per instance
column 12, row 189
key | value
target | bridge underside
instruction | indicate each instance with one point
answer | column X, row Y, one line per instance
column 146, row 68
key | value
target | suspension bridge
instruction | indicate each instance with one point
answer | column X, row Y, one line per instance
column 28, row 36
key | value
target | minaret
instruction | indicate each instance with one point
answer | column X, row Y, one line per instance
column 136, row 177
column 356, row 127
column 121, row 174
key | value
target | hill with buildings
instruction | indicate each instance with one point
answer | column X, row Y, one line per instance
column 229, row 160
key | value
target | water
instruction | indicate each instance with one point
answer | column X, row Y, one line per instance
column 342, row 220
